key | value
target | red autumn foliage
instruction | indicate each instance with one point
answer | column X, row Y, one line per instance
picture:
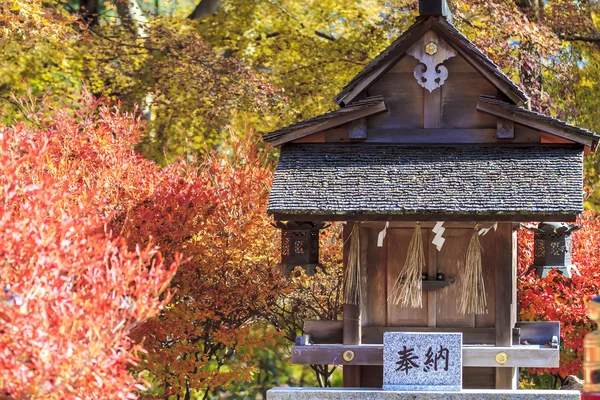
column 84, row 217
column 73, row 287
column 556, row 298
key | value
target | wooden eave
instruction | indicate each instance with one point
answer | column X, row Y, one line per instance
column 323, row 122
column 537, row 121
column 397, row 50
column 524, row 217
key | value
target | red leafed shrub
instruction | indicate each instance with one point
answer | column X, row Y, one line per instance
column 556, row 298
column 72, row 286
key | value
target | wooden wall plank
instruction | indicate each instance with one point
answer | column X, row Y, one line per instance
column 376, row 294
column 505, row 377
column 479, row 378
column 403, row 97
column 432, row 108
column 460, row 96
column 488, row 261
column 399, row 240
column 432, row 269
column 451, row 261
column 351, row 322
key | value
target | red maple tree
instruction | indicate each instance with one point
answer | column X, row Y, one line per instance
column 557, row 298
column 73, row 288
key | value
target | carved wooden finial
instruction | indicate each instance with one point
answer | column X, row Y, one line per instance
column 431, row 51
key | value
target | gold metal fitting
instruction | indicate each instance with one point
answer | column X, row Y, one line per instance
column 431, row 48
column 348, row 355
column 501, row 358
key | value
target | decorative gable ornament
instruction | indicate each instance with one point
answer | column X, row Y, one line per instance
column 431, row 51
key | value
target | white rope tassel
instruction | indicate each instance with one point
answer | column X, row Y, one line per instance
column 473, row 298
column 352, row 273
column 408, row 288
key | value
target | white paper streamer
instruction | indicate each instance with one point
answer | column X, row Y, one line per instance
column 438, row 240
column 382, row 234
column 484, row 231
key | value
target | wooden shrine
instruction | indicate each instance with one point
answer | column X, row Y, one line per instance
column 430, row 131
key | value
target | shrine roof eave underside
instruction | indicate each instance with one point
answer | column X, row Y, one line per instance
column 417, row 183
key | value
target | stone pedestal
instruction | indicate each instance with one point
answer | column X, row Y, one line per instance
column 375, row 394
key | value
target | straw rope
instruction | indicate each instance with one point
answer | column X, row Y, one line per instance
column 473, row 298
column 408, row 288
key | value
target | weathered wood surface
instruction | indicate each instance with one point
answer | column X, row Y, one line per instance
column 329, row 123
column 324, row 332
column 397, row 315
column 505, row 128
column 460, row 95
column 533, row 123
column 474, row 336
column 351, row 323
column 451, row 261
column 505, row 306
column 376, row 281
column 404, row 98
column 426, row 217
column 539, row 333
column 473, row 356
column 357, row 130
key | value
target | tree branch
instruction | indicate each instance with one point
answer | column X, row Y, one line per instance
column 577, row 38
column 324, row 36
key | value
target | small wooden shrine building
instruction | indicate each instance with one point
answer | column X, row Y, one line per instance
column 430, row 131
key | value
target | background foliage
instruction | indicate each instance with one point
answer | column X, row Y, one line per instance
column 206, row 75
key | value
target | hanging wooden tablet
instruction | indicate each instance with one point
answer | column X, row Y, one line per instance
column 473, row 298
column 352, row 273
column 408, row 288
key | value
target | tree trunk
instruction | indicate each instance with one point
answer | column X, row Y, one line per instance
column 89, row 11
column 204, row 8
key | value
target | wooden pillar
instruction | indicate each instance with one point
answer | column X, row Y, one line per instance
column 506, row 274
column 351, row 323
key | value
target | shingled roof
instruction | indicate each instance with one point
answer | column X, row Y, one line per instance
column 358, row 109
column 352, row 180
column 522, row 116
column 393, row 53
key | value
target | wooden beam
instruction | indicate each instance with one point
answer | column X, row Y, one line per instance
column 505, row 128
column 440, row 136
column 473, row 356
column 351, row 322
column 426, row 217
column 324, row 332
column 540, row 333
column 357, row 129
column 504, row 299
column 374, row 335
column 534, row 123
column 432, row 108
column 329, row 123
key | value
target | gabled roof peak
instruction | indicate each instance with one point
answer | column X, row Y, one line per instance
column 397, row 50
